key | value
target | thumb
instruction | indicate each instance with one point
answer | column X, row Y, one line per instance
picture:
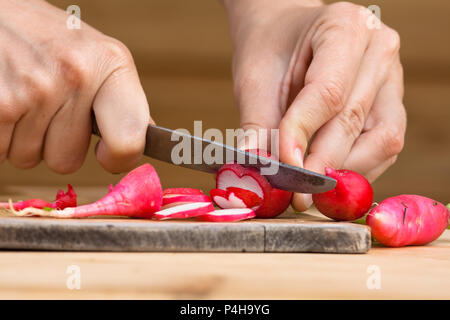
column 122, row 114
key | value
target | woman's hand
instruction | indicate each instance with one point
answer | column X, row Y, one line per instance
column 51, row 77
column 322, row 75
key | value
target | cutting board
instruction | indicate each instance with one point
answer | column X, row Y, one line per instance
column 299, row 233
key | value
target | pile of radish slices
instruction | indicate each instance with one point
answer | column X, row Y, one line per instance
column 183, row 203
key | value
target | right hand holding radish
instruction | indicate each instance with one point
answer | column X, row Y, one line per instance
column 327, row 80
column 50, row 79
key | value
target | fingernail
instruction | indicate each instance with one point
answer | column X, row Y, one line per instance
column 307, row 199
column 298, row 154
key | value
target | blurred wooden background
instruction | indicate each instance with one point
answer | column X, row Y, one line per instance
column 183, row 53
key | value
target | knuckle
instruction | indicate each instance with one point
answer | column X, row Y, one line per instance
column 346, row 17
column 352, row 120
column 40, row 87
column 299, row 128
column 391, row 39
column 392, row 141
column 117, row 51
column 331, row 95
column 74, row 66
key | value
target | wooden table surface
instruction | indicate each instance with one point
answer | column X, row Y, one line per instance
column 411, row 272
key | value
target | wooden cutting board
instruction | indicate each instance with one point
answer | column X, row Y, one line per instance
column 299, row 233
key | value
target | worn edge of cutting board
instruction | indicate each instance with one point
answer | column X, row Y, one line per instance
column 275, row 235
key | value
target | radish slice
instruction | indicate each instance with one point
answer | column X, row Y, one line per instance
column 227, row 215
column 185, row 211
column 250, row 188
column 171, row 198
column 226, row 200
column 251, row 199
column 181, row 191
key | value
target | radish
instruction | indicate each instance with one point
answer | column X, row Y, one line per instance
column 237, row 182
column 173, row 198
column 349, row 200
column 235, row 198
column 227, row 215
column 63, row 200
column 138, row 195
column 184, row 211
column 408, row 220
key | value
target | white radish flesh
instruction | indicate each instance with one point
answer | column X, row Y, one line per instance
column 185, row 211
column 228, row 215
column 171, row 198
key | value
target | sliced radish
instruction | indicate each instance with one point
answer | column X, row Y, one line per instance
column 181, row 191
column 250, row 198
column 225, row 200
column 232, row 178
column 185, row 211
column 227, row 215
column 235, row 198
column 172, row 198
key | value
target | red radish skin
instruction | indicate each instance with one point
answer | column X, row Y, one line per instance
column 184, row 211
column 349, row 200
column 274, row 201
column 137, row 195
column 182, row 191
column 251, row 199
column 228, row 215
column 63, row 200
column 235, row 198
column 408, row 220
column 173, row 198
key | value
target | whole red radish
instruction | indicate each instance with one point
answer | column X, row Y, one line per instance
column 408, row 220
column 138, row 195
column 349, row 200
column 63, row 200
column 273, row 201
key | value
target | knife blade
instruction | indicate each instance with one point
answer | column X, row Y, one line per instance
column 161, row 143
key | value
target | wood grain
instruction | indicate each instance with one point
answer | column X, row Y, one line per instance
column 406, row 273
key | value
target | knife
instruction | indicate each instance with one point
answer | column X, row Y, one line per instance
column 161, row 142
